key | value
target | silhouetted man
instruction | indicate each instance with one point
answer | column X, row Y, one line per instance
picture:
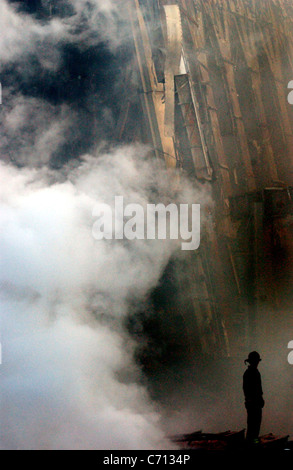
column 254, row 401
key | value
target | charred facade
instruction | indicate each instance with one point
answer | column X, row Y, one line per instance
column 208, row 92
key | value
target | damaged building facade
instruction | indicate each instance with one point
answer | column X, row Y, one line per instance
column 208, row 91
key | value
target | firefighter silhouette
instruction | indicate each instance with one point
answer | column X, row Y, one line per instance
column 253, row 394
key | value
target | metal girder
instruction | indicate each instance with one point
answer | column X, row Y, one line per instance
column 153, row 92
column 172, row 65
column 198, row 149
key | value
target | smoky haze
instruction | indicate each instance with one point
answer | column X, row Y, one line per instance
column 74, row 372
column 63, row 294
column 69, row 375
column 63, row 298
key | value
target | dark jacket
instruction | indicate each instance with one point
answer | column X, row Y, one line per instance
column 252, row 387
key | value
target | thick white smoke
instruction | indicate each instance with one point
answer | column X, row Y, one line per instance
column 68, row 378
column 63, row 295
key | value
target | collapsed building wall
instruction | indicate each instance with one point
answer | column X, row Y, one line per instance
column 209, row 86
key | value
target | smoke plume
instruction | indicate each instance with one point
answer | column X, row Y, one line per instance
column 63, row 295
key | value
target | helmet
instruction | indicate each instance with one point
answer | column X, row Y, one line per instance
column 253, row 358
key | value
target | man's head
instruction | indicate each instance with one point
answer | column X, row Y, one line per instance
column 253, row 359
